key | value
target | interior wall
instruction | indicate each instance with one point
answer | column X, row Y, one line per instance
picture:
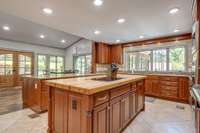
column 82, row 47
column 36, row 49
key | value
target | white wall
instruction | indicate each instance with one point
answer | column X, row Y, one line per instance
column 84, row 46
column 36, row 49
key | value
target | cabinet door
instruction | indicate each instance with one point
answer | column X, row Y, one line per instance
column 155, row 86
column 132, row 104
column 59, row 111
column 115, row 115
column 116, row 54
column 101, row 119
column 140, row 96
column 184, row 89
column 125, row 109
column 148, row 87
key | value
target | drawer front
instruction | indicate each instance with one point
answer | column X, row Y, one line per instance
column 120, row 91
column 169, row 78
column 169, row 83
column 101, row 98
column 170, row 94
column 170, row 88
column 154, row 77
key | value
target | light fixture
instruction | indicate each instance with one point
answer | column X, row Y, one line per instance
column 6, row 28
column 176, row 30
column 121, row 20
column 47, row 11
column 97, row 32
column 141, row 37
column 98, row 2
column 118, row 41
column 42, row 36
column 63, row 41
column 174, row 10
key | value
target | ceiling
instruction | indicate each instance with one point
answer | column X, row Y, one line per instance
column 26, row 31
column 149, row 18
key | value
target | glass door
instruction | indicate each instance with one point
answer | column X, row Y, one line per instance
column 7, row 71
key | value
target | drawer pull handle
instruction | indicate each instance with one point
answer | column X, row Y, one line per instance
column 102, row 98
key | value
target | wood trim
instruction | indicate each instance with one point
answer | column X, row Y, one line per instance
column 94, row 54
column 186, row 36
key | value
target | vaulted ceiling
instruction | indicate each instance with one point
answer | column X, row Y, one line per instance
column 148, row 18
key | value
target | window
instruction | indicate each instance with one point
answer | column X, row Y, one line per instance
column 24, row 64
column 160, row 60
column 6, row 64
column 82, row 63
column 140, row 61
column 56, row 64
column 42, row 64
column 177, row 59
column 50, row 64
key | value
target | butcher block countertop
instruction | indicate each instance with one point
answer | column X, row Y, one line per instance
column 57, row 76
column 89, row 86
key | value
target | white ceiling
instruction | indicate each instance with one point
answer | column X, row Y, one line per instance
column 29, row 32
column 149, row 18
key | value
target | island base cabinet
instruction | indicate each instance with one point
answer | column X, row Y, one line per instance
column 70, row 112
column 101, row 119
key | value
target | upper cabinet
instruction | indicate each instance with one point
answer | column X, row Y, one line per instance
column 107, row 54
column 116, row 55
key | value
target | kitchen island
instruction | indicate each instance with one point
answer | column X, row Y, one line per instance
column 94, row 104
column 35, row 92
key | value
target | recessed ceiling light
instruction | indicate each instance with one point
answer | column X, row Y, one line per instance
column 98, row 2
column 42, row 36
column 47, row 10
column 97, row 32
column 121, row 20
column 63, row 41
column 117, row 41
column 6, row 28
column 174, row 10
column 176, row 30
column 141, row 37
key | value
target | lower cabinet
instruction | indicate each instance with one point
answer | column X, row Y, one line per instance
column 174, row 88
column 101, row 119
column 70, row 112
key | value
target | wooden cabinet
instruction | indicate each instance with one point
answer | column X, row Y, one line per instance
column 102, row 53
column 116, row 54
column 140, row 96
column 115, row 115
column 101, row 119
column 105, row 112
column 125, row 109
column 107, row 54
column 35, row 94
column 174, row 88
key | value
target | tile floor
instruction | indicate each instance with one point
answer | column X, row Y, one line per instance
column 159, row 117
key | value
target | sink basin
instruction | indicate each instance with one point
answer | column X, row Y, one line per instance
column 106, row 79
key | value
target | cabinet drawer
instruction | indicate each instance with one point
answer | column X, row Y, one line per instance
column 169, row 83
column 170, row 88
column 171, row 94
column 168, row 78
column 120, row 91
column 101, row 98
column 154, row 77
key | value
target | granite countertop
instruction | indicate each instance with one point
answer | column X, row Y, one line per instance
column 57, row 76
column 159, row 74
column 88, row 86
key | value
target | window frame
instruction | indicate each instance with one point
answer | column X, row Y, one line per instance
column 48, row 62
column 84, row 55
column 185, row 46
